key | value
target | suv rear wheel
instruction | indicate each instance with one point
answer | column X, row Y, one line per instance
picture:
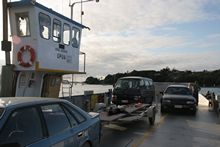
column 152, row 120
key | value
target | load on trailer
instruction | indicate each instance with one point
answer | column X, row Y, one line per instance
column 131, row 89
column 131, row 112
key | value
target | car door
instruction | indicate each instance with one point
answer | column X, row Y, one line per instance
column 81, row 130
column 23, row 128
column 61, row 131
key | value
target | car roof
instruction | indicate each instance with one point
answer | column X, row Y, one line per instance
column 12, row 101
column 136, row 77
column 183, row 86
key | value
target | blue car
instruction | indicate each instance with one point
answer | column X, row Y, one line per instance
column 46, row 122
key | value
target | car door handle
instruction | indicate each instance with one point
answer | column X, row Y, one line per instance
column 80, row 134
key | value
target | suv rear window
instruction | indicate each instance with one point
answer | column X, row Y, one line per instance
column 128, row 83
column 1, row 112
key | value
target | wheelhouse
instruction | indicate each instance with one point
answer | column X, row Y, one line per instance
column 46, row 45
column 43, row 40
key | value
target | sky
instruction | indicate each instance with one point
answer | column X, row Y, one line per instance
column 129, row 35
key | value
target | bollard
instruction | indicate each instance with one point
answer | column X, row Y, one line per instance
column 218, row 100
column 87, row 100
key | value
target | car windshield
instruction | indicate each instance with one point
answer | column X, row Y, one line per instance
column 178, row 90
column 128, row 83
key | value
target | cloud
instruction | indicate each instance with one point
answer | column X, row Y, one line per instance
column 112, row 54
column 122, row 34
column 123, row 38
column 183, row 61
column 117, row 15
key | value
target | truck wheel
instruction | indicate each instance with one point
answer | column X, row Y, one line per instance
column 162, row 110
column 152, row 119
column 194, row 111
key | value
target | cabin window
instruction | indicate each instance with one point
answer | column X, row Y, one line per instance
column 75, row 37
column 147, row 84
column 23, row 24
column 56, row 30
column 44, row 25
column 66, row 34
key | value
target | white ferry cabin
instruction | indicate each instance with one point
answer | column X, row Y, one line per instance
column 46, row 45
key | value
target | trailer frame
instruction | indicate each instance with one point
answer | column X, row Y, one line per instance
column 132, row 112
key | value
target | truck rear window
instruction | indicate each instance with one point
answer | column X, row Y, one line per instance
column 1, row 112
column 128, row 83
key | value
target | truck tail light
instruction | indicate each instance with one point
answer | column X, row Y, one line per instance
column 114, row 97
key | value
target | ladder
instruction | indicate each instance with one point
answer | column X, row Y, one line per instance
column 67, row 85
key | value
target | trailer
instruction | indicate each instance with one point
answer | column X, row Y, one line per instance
column 132, row 100
column 131, row 112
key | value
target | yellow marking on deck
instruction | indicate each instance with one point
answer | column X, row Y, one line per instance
column 115, row 127
column 149, row 132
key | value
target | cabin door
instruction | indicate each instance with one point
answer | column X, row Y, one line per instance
column 51, row 86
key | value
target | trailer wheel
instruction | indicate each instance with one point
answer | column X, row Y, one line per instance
column 162, row 110
column 86, row 144
column 152, row 119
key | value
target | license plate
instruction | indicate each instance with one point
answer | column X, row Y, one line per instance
column 178, row 106
column 124, row 101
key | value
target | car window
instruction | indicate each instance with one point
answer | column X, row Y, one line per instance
column 178, row 90
column 23, row 127
column 129, row 83
column 71, row 118
column 147, row 84
column 55, row 118
column 142, row 83
column 150, row 82
column 80, row 118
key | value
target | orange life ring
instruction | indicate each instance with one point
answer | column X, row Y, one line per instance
column 20, row 56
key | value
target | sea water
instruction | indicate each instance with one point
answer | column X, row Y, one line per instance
column 204, row 90
column 79, row 89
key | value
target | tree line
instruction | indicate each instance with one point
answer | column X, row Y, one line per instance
column 204, row 78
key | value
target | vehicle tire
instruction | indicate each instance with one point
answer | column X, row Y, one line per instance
column 162, row 110
column 86, row 144
column 194, row 111
column 152, row 119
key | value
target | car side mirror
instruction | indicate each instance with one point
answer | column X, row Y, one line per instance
column 162, row 93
